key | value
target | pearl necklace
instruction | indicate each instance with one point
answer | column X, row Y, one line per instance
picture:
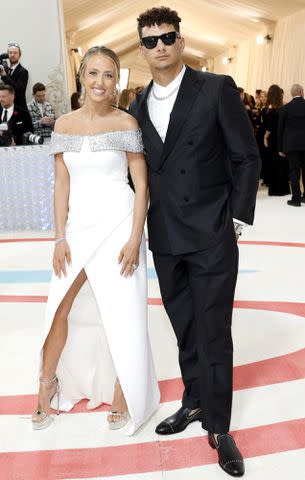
column 166, row 96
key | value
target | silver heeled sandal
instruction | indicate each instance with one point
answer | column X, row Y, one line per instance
column 45, row 419
column 115, row 425
column 124, row 417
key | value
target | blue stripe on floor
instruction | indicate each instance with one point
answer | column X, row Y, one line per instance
column 25, row 276
column 44, row 276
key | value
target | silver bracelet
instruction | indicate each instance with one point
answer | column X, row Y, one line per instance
column 59, row 240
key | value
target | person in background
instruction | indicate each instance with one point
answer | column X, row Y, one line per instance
column 291, row 134
column 127, row 96
column 16, row 76
column 260, row 131
column 42, row 113
column 14, row 119
column 124, row 100
column 277, row 166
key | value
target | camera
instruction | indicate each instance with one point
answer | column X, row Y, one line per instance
column 3, row 61
column 5, row 139
column 29, row 138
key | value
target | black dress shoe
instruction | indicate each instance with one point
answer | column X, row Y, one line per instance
column 293, row 203
column 229, row 457
column 179, row 421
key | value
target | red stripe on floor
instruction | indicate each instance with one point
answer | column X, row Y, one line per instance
column 284, row 307
column 280, row 369
column 242, row 242
column 147, row 457
column 23, row 299
column 273, row 244
column 16, row 240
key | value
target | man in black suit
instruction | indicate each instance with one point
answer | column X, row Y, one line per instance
column 16, row 76
column 203, row 167
column 291, row 136
column 16, row 119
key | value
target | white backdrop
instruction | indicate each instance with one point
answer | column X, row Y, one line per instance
column 280, row 61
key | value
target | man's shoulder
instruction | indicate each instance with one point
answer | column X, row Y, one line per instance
column 31, row 105
column 20, row 110
column 21, row 68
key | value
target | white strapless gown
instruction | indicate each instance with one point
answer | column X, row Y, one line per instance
column 108, row 332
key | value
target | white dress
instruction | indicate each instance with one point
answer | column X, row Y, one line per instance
column 107, row 325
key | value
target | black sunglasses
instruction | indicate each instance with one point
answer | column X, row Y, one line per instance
column 167, row 38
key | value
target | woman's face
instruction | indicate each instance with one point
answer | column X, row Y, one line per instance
column 100, row 78
column 263, row 98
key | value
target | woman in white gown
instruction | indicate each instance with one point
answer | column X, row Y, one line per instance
column 95, row 343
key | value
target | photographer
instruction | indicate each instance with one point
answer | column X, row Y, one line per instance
column 42, row 113
column 14, row 120
column 15, row 74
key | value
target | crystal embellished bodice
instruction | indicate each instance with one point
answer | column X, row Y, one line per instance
column 98, row 169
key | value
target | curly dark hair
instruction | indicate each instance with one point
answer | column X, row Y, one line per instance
column 275, row 96
column 157, row 16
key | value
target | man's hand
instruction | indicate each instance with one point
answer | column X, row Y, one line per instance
column 2, row 71
column 281, row 154
column 46, row 121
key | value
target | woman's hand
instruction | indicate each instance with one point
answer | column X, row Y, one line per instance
column 62, row 254
column 129, row 258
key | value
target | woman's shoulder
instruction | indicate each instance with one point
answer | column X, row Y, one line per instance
column 65, row 123
column 125, row 121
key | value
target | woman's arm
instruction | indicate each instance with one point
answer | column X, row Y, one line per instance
column 61, row 198
column 129, row 254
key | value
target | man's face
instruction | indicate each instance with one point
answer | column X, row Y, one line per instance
column 6, row 99
column 40, row 96
column 14, row 55
column 162, row 56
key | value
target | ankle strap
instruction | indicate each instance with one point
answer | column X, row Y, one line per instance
column 47, row 382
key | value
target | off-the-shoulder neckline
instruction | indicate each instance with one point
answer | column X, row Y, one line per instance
column 96, row 134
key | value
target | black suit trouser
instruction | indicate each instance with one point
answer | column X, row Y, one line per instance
column 197, row 291
column 296, row 166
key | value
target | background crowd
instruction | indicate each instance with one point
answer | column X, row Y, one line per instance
column 280, row 133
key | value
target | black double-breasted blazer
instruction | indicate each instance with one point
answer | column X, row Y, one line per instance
column 206, row 172
column 291, row 130
column 19, row 123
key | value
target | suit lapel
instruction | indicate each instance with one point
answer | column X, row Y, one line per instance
column 188, row 91
column 152, row 139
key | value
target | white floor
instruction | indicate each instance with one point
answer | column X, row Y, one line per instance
column 268, row 417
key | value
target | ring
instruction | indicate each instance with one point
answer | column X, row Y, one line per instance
column 134, row 266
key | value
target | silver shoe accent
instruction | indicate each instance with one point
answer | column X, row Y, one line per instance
column 115, row 425
column 45, row 419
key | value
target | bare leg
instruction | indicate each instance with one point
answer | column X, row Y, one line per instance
column 55, row 343
column 118, row 404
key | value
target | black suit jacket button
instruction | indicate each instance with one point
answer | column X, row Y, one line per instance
column 186, row 199
column 182, row 172
column 190, row 142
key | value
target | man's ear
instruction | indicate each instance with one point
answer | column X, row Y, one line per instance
column 182, row 44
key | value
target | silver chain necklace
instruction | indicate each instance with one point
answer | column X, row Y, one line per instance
column 166, row 96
